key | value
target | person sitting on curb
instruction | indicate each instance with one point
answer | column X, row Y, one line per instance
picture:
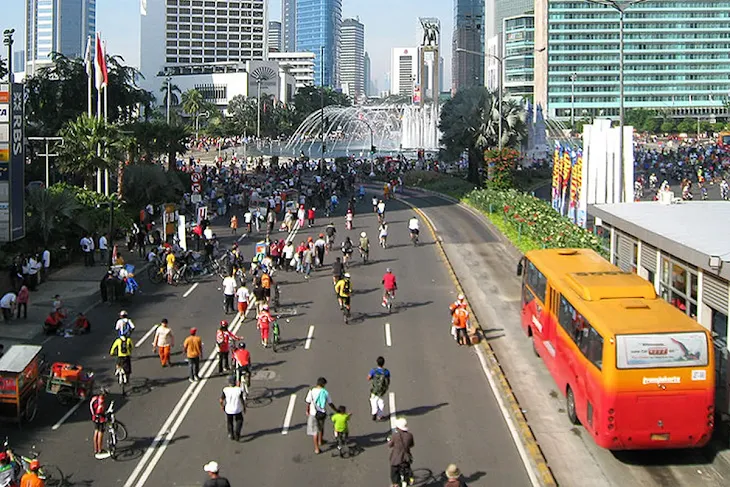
column 53, row 323
column 81, row 325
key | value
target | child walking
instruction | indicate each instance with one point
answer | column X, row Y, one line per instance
column 341, row 422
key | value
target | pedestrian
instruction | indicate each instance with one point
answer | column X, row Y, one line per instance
column 453, row 477
column 301, row 212
column 242, row 296
column 103, row 249
column 317, row 399
column 214, row 480
column 379, row 378
column 170, row 261
column 22, row 301
column 229, row 292
column 307, row 260
column 162, row 343
column 7, row 304
column 288, row 255
column 223, row 339
column 460, row 321
column 400, row 454
column 46, row 259
column 31, row 478
column 233, row 403
column 310, row 217
column 97, row 407
column 247, row 219
column 341, row 422
column 85, row 244
column 320, row 245
column 234, row 224
column 193, row 347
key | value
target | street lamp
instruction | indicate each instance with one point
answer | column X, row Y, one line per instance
column 573, row 79
column 197, row 123
column 620, row 7
column 169, row 80
column 8, row 41
column 500, row 60
column 258, row 107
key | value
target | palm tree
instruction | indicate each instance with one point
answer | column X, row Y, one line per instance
column 90, row 144
column 192, row 102
column 49, row 212
column 174, row 92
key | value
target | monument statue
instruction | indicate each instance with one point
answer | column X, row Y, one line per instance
column 431, row 31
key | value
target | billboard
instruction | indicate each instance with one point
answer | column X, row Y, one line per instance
column 12, row 163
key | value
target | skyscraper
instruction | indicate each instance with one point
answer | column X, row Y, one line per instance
column 468, row 68
column 318, row 27
column 273, row 41
column 497, row 12
column 57, row 26
column 288, row 25
column 176, row 35
column 352, row 58
column 367, row 74
column 404, row 71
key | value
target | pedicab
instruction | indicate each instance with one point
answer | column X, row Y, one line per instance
column 19, row 384
column 69, row 382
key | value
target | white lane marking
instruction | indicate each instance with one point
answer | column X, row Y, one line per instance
column 171, row 418
column 146, row 336
column 388, row 341
column 242, row 236
column 67, row 415
column 192, row 288
column 293, row 232
column 310, row 334
column 393, row 411
column 289, row 414
column 507, row 417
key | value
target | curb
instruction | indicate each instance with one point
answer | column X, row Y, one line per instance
column 537, row 459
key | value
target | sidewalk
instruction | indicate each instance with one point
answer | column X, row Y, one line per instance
column 78, row 287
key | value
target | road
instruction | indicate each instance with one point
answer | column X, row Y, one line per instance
column 176, row 427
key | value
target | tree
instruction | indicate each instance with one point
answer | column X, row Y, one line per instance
column 687, row 126
column 174, row 92
column 82, row 138
column 192, row 103
column 49, row 212
column 668, row 126
column 309, row 99
column 470, row 122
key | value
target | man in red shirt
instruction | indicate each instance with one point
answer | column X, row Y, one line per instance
column 263, row 324
column 223, row 338
column 460, row 320
column 97, row 406
column 242, row 361
column 389, row 285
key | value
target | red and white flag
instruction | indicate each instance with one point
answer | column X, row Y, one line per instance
column 102, row 76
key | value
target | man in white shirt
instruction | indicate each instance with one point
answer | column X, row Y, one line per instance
column 229, row 292
column 86, row 249
column 46, row 259
column 92, row 247
column 233, row 403
column 208, row 233
column 242, row 294
column 103, row 247
column 7, row 304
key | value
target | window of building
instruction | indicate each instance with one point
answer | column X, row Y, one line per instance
column 678, row 286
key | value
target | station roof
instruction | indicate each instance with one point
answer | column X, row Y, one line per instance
column 692, row 231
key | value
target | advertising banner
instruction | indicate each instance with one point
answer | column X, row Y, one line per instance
column 661, row 350
column 17, row 164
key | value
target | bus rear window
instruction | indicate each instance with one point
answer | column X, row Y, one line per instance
column 661, row 350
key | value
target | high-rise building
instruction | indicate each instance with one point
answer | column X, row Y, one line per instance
column 298, row 64
column 497, row 12
column 519, row 51
column 677, row 60
column 367, row 74
column 468, row 67
column 352, row 58
column 57, row 26
column 274, row 36
column 288, row 25
column 318, row 27
column 176, row 33
column 404, row 70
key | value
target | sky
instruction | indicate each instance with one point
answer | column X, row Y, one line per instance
column 388, row 24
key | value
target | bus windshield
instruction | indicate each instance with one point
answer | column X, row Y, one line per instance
column 662, row 350
column 725, row 139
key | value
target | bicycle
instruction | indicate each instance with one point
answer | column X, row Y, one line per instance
column 414, row 238
column 405, row 474
column 50, row 474
column 182, row 273
column 122, row 378
column 388, row 298
column 364, row 254
column 346, row 314
column 115, row 431
column 157, row 274
column 275, row 334
column 243, row 377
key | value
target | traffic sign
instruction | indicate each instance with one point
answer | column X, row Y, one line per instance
column 196, row 198
column 196, row 187
column 196, row 177
column 202, row 213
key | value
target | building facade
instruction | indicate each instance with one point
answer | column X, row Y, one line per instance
column 273, row 37
column 186, row 32
column 497, row 12
column 404, row 70
column 352, row 58
column 367, row 74
column 299, row 64
column 288, row 25
column 519, row 56
column 468, row 67
column 57, row 26
column 318, row 30
column 677, row 57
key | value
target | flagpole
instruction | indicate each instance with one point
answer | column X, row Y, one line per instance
column 98, row 146
column 106, row 115
column 89, row 70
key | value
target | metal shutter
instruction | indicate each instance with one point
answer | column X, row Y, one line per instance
column 715, row 292
column 648, row 257
column 625, row 251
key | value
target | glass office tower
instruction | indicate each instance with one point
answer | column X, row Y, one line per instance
column 318, row 25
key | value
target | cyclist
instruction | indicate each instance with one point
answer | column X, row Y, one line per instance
column 242, row 360
column 223, row 338
column 375, row 204
column 330, row 231
column 263, row 324
column 383, row 233
column 400, row 454
column 31, row 478
column 124, row 326
column 8, row 467
column 337, row 270
column 389, row 286
column 334, row 201
column 413, row 227
column 381, row 211
column 122, row 350
column 364, row 246
column 361, row 192
column 349, row 216
column 98, row 406
column 343, row 288
column 347, row 250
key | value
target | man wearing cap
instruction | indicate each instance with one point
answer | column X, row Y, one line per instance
column 233, row 403
column 7, row 468
column 193, row 347
column 31, row 478
column 400, row 454
column 453, row 477
column 214, row 480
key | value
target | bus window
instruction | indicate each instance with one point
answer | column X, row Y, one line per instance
column 536, row 280
column 588, row 340
column 527, row 296
column 592, row 348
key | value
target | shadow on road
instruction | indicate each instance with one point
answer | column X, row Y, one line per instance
column 421, row 410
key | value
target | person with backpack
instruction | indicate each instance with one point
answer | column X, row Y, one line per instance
column 122, row 350
column 343, row 289
column 379, row 378
column 97, row 407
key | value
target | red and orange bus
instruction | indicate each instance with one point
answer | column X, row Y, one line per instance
column 635, row 371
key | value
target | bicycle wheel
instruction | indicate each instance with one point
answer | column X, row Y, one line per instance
column 246, row 382
column 154, row 274
column 122, row 379
column 31, row 408
column 120, row 429
column 111, row 441
column 52, row 476
column 187, row 275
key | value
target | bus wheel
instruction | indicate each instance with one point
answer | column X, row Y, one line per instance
column 570, row 406
column 534, row 346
